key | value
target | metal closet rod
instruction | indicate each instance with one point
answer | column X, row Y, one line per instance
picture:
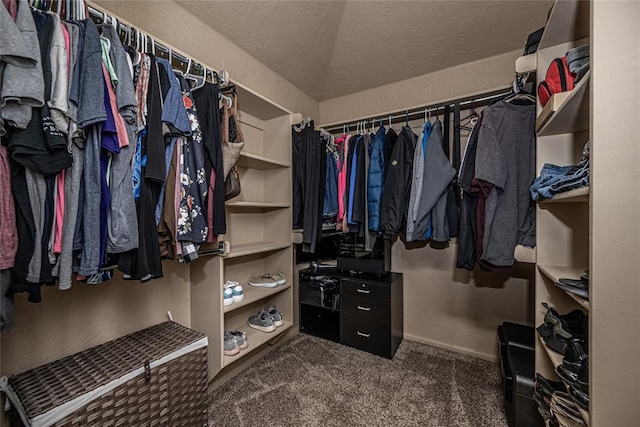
column 101, row 16
column 476, row 101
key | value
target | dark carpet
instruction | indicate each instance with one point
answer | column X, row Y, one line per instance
column 314, row 382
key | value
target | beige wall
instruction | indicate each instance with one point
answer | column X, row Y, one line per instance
column 66, row 322
column 168, row 22
column 464, row 80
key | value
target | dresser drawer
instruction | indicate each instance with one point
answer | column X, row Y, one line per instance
column 365, row 290
column 366, row 334
column 367, row 308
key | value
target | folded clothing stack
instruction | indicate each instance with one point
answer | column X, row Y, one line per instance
column 555, row 179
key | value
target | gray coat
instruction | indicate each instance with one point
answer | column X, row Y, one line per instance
column 438, row 174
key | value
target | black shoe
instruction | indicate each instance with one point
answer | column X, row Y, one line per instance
column 578, row 287
column 575, row 376
column 574, row 355
column 543, row 391
column 580, row 397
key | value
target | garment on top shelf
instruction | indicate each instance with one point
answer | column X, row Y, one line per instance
column 555, row 179
column 375, row 179
column 397, row 186
column 505, row 158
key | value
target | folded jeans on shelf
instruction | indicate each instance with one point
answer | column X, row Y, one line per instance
column 555, row 179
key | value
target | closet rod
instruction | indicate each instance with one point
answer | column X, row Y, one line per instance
column 131, row 33
column 477, row 100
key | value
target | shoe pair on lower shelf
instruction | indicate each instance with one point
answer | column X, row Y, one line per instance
column 233, row 292
column 565, row 411
column 266, row 320
column 268, row 280
column 574, row 371
column 578, row 287
column 558, row 330
column 234, row 341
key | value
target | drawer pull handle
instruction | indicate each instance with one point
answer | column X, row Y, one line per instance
column 362, row 334
column 364, row 308
column 364, row 291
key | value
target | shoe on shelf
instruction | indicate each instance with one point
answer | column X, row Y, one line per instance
column 227, row 296
column 280, row 278
column 275, row 315
column 577, row 376
column 575, row 355
column 571, row 325
column 237, row 293
column 578, row 287
column 579, row 397
column 264, row 281
column 262, row 322
column 543, row 391
column 565, row 409
column 230, row 345
column 240, row 338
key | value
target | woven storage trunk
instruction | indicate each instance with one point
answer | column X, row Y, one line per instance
column 153, row 377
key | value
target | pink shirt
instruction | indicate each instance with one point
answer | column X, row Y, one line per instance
column 57, row 232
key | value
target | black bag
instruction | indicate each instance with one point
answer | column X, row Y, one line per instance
column 232, row 184
column 533, row 40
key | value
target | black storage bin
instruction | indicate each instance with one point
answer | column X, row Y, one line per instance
column 517, row 363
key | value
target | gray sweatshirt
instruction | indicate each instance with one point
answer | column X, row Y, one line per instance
column 22, row 77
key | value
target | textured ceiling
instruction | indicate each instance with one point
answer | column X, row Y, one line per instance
column 333, row 48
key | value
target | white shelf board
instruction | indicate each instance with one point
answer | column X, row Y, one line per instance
column 260, row 206
column 566, row 111
column 579, row 195
column 556, row 358
column 525, row 254
column 253, row 161
column 527, row 64
column 255, row 338
column 257, row 105
column 583, row 302
column 253, row 294
column 568, row 21
column 555, row 272
column 255, row 248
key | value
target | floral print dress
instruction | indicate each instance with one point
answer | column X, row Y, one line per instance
column 192, row 222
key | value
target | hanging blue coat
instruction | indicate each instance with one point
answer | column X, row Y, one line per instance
column 375, row 180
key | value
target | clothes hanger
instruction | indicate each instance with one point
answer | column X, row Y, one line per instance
column 198, row 81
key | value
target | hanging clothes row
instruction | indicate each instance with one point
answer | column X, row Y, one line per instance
column 109, row 157
column 375, row 183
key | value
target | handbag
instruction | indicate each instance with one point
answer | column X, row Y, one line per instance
column 232, row 139
column 232, row 184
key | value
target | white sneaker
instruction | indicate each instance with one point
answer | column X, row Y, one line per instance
column 227, row 296
column 280, row 278
column 238, row 294
column 264, row 281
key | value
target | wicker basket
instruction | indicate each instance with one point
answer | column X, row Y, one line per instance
column 153, row 377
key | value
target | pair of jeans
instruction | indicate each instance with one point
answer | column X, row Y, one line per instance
column 555, row 179
column 330, row 206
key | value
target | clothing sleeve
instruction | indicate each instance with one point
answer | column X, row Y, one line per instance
column 490, row 162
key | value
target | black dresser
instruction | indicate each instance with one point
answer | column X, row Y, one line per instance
column 361, row 311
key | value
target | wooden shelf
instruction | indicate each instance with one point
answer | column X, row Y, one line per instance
column 257, row 206
column 525, row 254
column 556, row 358
column 555, row 272
column 253, row 161
column 257, row 105
column 255, row 248
column 579, row 195
column 566, row 111
column 527, row 64
column 568, row 21
column 583, row 302
column 253, row 294
column 256, row 338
